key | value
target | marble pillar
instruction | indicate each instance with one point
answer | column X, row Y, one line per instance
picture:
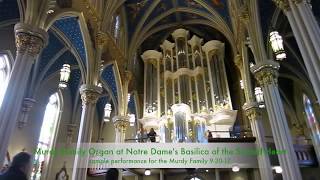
column 252, row 111
column 89, row 96
column 266, row 72
column 30, row 40
column 121, row 123
column 254, row 115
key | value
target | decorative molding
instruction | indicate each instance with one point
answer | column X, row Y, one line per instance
column 266, row 72
column 90, row 94
column 101, row 39
column 30, row 39
column 283, row 4
column 121, row 122
column 252, row 111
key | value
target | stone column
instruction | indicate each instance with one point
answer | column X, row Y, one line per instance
column 217, row 174
column 30, row 40
column 121, row 123
column 245, row 129
column 266, row 72
column 307, row 34
column 89, row 97
column 161, row 174
column 252, row 112
column 254, row 115
column 26, row 107
column 70, row 132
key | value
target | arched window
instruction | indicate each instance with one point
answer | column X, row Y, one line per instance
column 311, row 120
column 47, row 134
column 4, row 75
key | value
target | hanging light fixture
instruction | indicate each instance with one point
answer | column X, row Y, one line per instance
column 277, row 45
column 259, row 96
column 64, row 76
column 107, row 112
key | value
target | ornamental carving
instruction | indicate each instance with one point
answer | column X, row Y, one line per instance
column 101, row 39
column 121, row 123
column 282, row 4
column 267, row 76
column 253, row 113
column 27, row 43
column 89, row 97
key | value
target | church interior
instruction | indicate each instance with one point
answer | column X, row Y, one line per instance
column 161, row 71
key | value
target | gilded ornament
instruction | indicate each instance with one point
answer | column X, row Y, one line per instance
column 101, row 39
column 29, row 43
column 89, row 97
column 121, row 123
column 282, row 4
column 253, row 113
column 267, row 76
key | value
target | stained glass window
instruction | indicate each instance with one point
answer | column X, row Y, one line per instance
column 47, row 134
column 312, row 120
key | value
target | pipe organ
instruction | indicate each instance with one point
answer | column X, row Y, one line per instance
column 186, row 90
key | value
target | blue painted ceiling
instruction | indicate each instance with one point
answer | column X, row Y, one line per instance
column 131, row 105
column 9, row 10
column 74, row 83
column 53, row 47
column 107, row 76
column 71, row 29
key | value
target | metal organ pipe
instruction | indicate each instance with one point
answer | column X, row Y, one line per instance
column 184, row 85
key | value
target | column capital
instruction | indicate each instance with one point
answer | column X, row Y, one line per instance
column 252, row 110
column 282, row 4
column 101, row 39
column 90, row 94
column 30, row 39
column 28, row 104
column 266, row 72
column 121, row 122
